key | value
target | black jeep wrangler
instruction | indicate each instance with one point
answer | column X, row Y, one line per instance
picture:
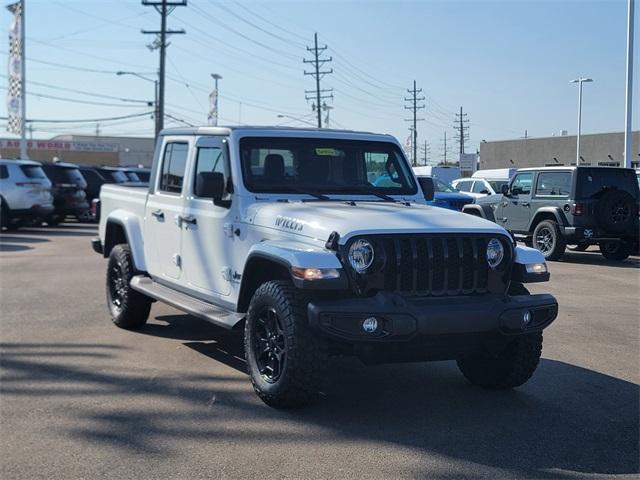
column 552, row 207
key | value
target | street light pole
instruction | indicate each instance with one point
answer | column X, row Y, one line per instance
column 156, row 91
column 628, row 108
column 579, row 81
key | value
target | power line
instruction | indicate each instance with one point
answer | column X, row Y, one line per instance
column 90, row 120
column 414, row 107
column 318, row 74
column 75, row 100
column 164, row 8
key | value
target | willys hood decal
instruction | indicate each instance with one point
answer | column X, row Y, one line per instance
column 317, row 219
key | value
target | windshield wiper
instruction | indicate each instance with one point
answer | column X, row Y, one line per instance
column 369, row 191
column 307, row 191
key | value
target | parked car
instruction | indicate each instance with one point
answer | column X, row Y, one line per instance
column 551, row 207
column 320, row 262
column 68, row 188
column 484, row 182
column 137, row 174
column 112, row 174
column 445, row 195
column 446, row 174
column 25, row 193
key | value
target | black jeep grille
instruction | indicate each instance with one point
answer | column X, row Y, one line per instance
column 435, row 265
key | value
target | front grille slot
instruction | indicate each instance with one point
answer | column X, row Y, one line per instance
column 436, row 265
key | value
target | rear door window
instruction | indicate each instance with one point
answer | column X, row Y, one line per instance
column 173, row 166
column 479, row 187
column 4, row 171
column 553, row 184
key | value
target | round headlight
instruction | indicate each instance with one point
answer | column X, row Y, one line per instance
column 495, row 252
column 361, row 255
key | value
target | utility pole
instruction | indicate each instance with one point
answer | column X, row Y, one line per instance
column 425, row 152
column 461, row 125
column 327, row 108
column 445, row 148
column 97, row 129
column 413, row 105
column 164, row 8
column 318, row 94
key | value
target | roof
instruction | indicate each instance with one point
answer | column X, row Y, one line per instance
column 226, row 130
column 572, row 167
column 19, row 161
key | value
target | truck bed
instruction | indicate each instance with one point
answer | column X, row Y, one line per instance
column 130, row 198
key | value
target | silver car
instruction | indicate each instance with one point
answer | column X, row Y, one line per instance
column 25, row 192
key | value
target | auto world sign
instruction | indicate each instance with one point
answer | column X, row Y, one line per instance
column 61, row 145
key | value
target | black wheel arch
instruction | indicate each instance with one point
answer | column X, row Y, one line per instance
column 258, row 269
column 548, row 213
column 483, row 211
column 115, row 234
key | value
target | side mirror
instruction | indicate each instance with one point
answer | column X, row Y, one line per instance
column 210, row 185
column 428, row 188
column 485, row 191
column 504, row 189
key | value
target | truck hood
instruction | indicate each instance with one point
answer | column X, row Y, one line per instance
column 317, row 219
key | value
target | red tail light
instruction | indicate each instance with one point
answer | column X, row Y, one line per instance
column 577, row 209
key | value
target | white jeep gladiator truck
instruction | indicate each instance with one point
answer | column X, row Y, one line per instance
column 283, row 233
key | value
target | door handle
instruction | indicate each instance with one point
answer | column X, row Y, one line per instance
column 159, row 214
column 525, row 204
column 191, row 220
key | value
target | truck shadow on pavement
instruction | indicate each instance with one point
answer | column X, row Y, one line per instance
column 566, row 419
column 594, row 258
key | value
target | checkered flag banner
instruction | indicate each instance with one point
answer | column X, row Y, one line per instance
column 212, row 118
column 15, row 122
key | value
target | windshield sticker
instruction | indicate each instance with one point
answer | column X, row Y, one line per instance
column 327, row 152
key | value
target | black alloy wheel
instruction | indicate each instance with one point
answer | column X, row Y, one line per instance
column 545, row 240
column 117, row 285
column 269, row 345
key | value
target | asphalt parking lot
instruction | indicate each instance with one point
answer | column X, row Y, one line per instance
column 80, row 398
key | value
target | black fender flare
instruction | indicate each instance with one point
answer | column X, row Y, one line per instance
column 557, row 213
column 483, row 211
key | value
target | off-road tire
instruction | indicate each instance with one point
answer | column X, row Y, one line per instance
column 131, row 309
column 301, row 376
column 557, row 244
column 509, row 369
column 615, row 250
column 616, row 211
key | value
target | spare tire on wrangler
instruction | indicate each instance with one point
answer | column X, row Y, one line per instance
column 616, row 211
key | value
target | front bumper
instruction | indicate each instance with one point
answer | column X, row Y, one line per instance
column 402, row 319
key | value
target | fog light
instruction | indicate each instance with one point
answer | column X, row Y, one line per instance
column 536, row 268
column 526, row 318
column 370, row 324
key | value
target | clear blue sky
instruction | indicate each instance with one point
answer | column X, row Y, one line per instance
column 507, row 63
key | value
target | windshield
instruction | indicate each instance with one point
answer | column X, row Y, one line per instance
column 443, row 187
column 132, row 177
column 315, row 165
column 33, row 171
column 65, row 175
column 497, row 185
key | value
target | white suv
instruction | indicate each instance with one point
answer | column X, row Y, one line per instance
column 479, row 187
column 25, row 191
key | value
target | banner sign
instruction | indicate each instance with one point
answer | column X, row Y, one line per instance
column 213, row 112
column 468, row 162
column 62, row 145
column 15, row 122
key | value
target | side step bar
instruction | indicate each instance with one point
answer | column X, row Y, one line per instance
column 218, row 316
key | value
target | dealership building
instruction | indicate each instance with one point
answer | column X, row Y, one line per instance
column 85, row 149
column 601, row 149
